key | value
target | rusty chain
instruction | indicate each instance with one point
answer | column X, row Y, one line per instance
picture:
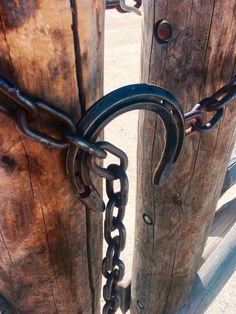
column 83, row 150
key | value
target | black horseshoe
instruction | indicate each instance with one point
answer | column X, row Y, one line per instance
column 139, row 96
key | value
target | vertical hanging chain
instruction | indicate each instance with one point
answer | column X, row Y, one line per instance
column 113, row 268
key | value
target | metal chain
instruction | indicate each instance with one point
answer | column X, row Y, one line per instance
column 215, row 103
column 24, row 110
column 113, row 269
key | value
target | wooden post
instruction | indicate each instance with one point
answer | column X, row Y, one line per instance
column 199, row 58
column 50, row 244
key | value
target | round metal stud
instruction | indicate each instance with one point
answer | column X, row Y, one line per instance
column 163, row 31
column 147, row 219
column 140, row 304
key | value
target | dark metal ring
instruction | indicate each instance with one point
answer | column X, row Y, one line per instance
column 114, row 262
column 118, row 240
column 18, row 97
column 121, row 175
column 42, row 137
column 107, row 289
column 111, row 252
column 211, row 124
column 110, row 210
column 106, row 173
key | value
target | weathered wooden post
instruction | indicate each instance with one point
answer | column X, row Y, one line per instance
column 52, row 50
column 195, row 61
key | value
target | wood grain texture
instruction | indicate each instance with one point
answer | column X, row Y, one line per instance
column 48, row 254
column 198, row 59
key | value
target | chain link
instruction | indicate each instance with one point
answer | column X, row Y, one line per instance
column 215, row 103
column 25, row 109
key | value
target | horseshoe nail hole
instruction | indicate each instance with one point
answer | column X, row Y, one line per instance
column 140, row 305
column 147, row 219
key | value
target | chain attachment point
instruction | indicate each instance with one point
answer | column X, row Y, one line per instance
column 215, row 103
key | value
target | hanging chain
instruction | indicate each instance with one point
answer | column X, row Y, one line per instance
column 113, row 268
column 24, row 110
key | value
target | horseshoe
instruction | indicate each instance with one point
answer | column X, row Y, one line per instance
column 133, row 97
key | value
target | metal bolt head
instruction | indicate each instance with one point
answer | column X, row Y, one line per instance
column 140, row 304
column 163, row 31
column 147, row 219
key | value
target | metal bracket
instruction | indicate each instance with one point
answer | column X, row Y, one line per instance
column 125, row 296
